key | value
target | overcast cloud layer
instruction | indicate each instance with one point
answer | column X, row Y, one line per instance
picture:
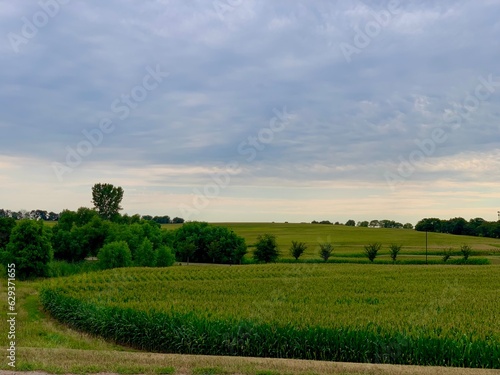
column 241, row 110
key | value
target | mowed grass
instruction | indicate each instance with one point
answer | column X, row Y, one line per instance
column 350, row 241
column 367, row 313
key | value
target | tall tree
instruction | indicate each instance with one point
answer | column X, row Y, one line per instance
column 107, row 199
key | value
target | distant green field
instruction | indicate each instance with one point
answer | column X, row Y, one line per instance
column 350, row 241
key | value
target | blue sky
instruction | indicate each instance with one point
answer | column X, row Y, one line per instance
column 241, row 110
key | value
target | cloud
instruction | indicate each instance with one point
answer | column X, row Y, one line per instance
column 228, row 72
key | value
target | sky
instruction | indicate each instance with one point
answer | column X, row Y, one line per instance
column 253, row 110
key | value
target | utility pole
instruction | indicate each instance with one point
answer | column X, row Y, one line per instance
column 426, row 247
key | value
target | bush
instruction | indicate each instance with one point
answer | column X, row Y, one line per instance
column 447, row 254
column 371, row 250
column 114, row 255
column 394, row 251
column 266, row 248
column 297, row 249
column 30, row 249
column 165, row 257
column 466, row 251
column 325, row 250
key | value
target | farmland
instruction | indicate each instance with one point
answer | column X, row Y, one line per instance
column 377, row 313
column 441, row 314
column 349, row 241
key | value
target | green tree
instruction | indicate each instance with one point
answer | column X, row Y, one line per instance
column 30, row 249
column 114, row 255
column 223, row 245
column 350, row 223
column 165, row 257
column 394, row 250
column 447, row 253
column 132, row 234
column 187, row 250
column 79, row 241
column 297, row 249
column 432, row 224
column 408, row 226
column 466, row 251
column 107, row 199
column 84, row 215
column 193, row 233
column 371, row 250
column 266, row 248
column 6, row 226
column 325, row 250
column 363, row 224
column 66, row 220
column 145, row 255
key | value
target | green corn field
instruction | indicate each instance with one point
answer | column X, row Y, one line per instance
column 436, row 315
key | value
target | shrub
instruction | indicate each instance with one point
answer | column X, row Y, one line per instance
column 371, row 250
column 325, row 250
column 466, row 251
column 165, row 257
column 297, row 249
column 266, row 248
column 115, row 254
column 394, row 251
column 447, row 254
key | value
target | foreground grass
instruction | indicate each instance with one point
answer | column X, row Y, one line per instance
column 64, row 361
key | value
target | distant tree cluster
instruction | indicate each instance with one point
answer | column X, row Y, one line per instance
column 203, row 243
column 164, row 219
column 384, row 224
column 460, row 226
column 369, row 224
column 53, row 216
column 32, row 215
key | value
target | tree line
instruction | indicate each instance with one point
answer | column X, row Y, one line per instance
column 115, row 240
column 458, row 225
column 369, row 224
column 54, row 216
